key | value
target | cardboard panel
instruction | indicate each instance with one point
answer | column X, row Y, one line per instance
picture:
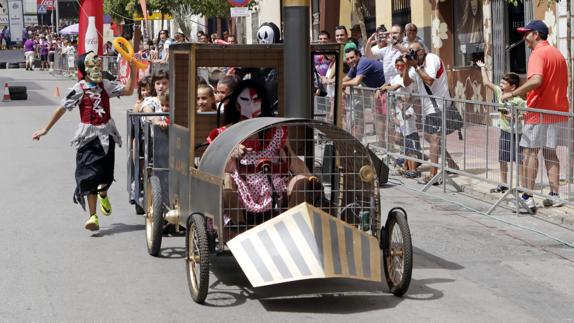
column 306, row 243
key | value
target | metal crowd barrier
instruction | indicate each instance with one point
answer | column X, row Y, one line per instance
column 469, row 156
column 110, row 64
column 65, row 64
column 323, row 108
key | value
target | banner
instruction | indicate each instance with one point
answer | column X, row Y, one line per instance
column 91, row 26
column 4, row 12
column 124, row 71
column 144, row 26
column 48, row 4
column 16, row 17
column 144, row 8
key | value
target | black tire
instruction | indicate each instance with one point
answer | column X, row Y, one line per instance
column 154, row 216
column 197, row 257
column 397, row 252
column 2, row 65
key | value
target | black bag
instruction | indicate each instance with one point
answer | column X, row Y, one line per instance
column 454, row 120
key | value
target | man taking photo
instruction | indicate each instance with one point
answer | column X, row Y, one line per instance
column 428, row 72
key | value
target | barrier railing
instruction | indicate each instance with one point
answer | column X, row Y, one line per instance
column 65, row 64
column 414, row 129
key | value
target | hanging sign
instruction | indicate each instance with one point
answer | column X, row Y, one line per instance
column 239, row 11
column 239, row 3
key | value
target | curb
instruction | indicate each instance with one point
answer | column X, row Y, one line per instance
column 561, row 215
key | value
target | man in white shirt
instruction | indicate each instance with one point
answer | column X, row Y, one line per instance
column 389, row 47
column 429, row 74
column 411, row 36
column 376, row 43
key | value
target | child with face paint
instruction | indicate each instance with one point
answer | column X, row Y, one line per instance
column 96, row 136
column 253, row 191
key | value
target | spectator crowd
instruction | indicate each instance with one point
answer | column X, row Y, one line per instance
column 396, row 60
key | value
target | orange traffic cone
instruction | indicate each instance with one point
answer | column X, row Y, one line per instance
column 6, row 93
column 57, row 92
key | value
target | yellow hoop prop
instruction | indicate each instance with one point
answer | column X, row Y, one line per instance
column 126, row 50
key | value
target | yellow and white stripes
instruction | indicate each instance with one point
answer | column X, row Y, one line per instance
column 306, row 243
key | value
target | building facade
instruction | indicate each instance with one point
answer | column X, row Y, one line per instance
column 464, row 31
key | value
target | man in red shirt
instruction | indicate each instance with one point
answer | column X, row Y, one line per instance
column 546, row 89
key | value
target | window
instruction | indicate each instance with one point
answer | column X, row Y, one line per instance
column 401, row 12
column 517, row 55
column 468, row 32
column 369, row 15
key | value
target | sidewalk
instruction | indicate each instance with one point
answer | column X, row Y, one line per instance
column 477, row 156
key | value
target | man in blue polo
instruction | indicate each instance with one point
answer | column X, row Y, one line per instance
column 370, row 73
column 364, row 71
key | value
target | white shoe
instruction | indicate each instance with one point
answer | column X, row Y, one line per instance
column 530, row 203
column 552, row 200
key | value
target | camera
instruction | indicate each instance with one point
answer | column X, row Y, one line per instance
column 411, row 55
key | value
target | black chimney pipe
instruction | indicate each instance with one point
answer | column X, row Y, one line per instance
column 297, row 59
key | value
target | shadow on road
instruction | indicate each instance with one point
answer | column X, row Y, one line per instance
column 172, row 253
column 423, row 259
column 420, row 290
column 116, row 228
column 339, row 296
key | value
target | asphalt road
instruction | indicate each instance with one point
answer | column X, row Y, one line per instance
column 467, row 267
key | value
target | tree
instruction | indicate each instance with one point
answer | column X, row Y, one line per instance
column 358, row 16
column 118, row 9
column 183, row 9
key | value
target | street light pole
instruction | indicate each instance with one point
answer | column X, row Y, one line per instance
column 57, row 6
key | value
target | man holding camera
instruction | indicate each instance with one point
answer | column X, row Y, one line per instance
column 388, row 46
column 429, row 74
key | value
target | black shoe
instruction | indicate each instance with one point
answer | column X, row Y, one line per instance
column 499, row 189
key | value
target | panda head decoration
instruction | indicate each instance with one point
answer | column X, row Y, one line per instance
column 268, row 33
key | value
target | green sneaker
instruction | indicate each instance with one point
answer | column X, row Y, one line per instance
column 92, row 224
column 105, row 205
